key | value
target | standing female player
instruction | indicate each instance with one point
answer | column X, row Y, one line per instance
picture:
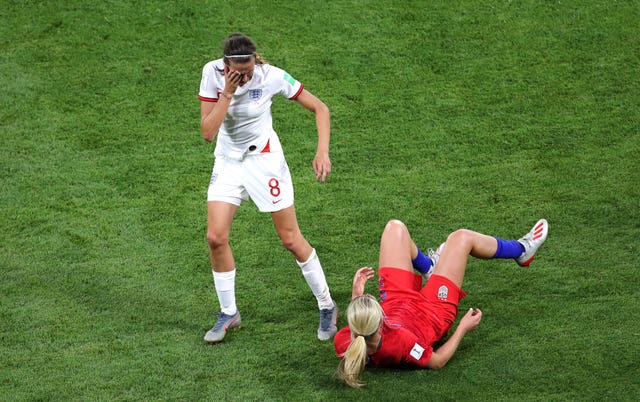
column 402, row 329
column 236, row 93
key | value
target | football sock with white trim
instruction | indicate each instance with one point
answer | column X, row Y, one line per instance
column 508, row 249
column 422, row 263
column 225, row 284
column 314, row 275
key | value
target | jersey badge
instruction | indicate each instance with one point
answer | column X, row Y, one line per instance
column 416, row 351
column 255, row 94
column 443, row 292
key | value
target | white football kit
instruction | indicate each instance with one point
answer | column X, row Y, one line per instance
column 249, row 161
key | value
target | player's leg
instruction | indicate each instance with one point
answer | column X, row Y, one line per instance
column 464, row 243
column 398, row 250
column 269, row 184
column 459, row 246
column 286, row 225
column 219, row 218
column 285, row 222
column 224, row 196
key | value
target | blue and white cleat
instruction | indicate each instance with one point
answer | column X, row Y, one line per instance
column 532, row 242
column 225, row 322
column 328, row 320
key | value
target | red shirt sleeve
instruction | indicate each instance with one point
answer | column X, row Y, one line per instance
column 418, row 354
column 342, row 340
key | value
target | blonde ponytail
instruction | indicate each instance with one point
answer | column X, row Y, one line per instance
column 353, row 362
column 364, row 316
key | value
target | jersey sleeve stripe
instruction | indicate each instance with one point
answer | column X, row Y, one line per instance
column 297, row 93
column 205, row 99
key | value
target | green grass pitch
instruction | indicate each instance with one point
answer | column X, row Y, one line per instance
column 484, row 115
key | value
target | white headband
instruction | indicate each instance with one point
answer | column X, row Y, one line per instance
column 240, row 56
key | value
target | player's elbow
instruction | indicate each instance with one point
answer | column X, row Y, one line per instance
column 435, row 364
column 318, row 107
column 437, row 361
column 323, row 110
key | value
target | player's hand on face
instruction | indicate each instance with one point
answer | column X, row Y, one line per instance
column 322, row 166
column 232, row 79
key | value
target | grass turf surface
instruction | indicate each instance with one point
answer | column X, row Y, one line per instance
column 444, row 115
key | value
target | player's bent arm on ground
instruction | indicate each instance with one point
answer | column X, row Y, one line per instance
column 440, row 357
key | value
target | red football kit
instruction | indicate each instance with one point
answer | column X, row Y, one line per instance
column 415, row 318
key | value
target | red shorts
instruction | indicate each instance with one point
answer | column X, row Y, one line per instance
column 440, row 295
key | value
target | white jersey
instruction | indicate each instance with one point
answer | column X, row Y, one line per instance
column 248, row 125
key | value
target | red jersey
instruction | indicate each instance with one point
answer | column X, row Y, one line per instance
column 399, row 347
column 415, row 318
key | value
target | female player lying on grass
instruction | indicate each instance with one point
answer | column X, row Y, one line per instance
column 401, row 330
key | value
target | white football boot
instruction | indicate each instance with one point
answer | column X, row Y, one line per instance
column 224, row 323
column 328, row 322
column 532, row 242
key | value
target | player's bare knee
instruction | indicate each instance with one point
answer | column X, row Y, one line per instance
column 395, row 228
column 216, row 240
column 460, row 237
column 395, row 223
column 289, row 240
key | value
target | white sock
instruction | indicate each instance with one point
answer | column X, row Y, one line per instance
column 225, row 284
column 314, row 275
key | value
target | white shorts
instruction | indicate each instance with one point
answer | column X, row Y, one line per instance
column 263, row 177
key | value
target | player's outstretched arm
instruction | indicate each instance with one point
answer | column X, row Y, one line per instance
column 360, row 279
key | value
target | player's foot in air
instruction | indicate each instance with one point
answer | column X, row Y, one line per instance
column 532, row 242
column 328, row 320
column 225, row 322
